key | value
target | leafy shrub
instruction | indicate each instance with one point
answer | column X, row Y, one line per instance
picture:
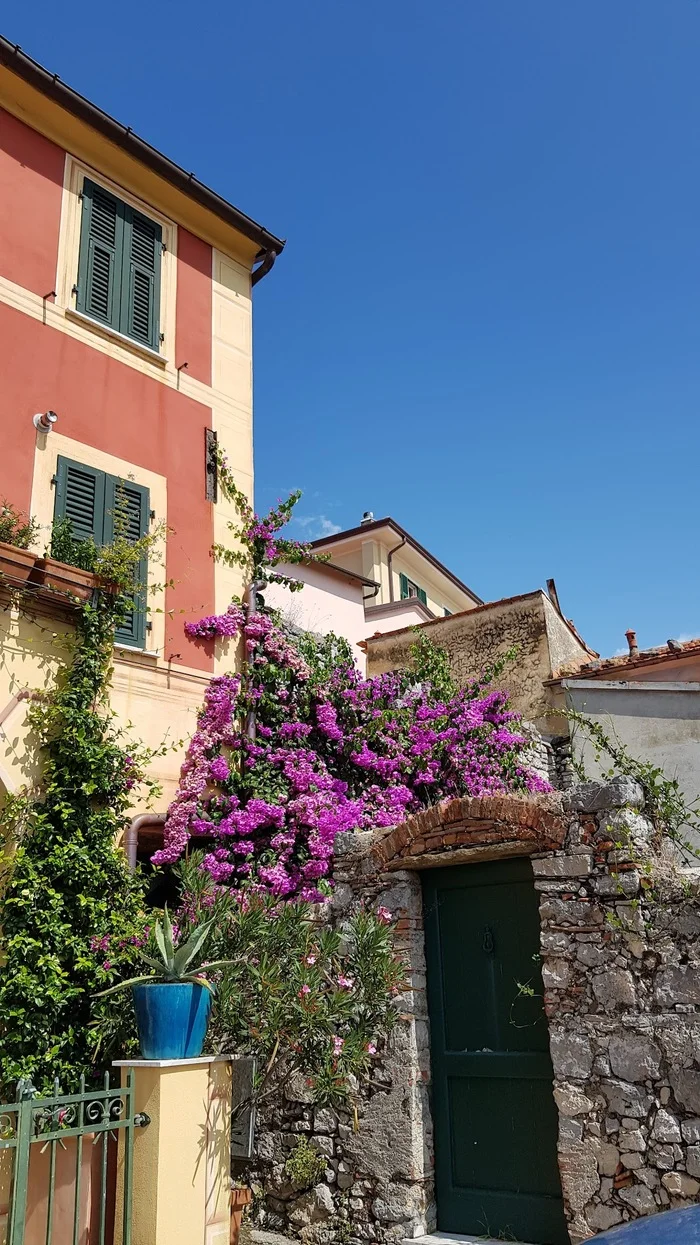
column 68, row 548
column 302, row 998
column 17, row 528
column 73, row 915
column 305, row 1166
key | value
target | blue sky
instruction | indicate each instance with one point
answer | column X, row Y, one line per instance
column 486, row 322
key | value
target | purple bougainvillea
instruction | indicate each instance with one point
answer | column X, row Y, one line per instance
column 222, row 625
column 331, row 752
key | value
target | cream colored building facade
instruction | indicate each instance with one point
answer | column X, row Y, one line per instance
column 413, row 586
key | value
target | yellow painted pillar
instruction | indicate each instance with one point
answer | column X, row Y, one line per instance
column 182, row 1159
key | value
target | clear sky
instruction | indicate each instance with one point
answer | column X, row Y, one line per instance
column 486, row 322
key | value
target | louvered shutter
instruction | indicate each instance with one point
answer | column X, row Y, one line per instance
column 101, row 255
column 403, row 582
column 127, row 508
column 420, row 593
column 140, row 297
column 80, row 497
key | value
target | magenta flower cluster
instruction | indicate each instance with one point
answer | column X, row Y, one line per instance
column 223, row 625
column 330, row 753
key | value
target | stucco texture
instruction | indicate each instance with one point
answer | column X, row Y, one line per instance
column 477, row 638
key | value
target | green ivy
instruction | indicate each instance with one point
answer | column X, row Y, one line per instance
column 72, row 913
column 670, row 812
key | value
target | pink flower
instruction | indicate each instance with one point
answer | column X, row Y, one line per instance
column 384, row 916
column 371, row 1048
column 304, row 991
column 338, row 1045
column 346, row 983
column 309, row 959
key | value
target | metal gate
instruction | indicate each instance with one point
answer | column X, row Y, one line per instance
column 78, row 1134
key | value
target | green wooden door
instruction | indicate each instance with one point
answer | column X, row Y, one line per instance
column 494, row 1114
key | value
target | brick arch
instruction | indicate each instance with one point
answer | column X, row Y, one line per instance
column 473, row 828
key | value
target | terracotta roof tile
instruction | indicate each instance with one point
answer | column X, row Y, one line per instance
column 645, row 657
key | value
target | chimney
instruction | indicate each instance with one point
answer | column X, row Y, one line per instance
column 631, row 637
column 368, row 517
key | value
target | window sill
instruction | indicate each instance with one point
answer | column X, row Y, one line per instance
column 123, row 651
column 104, row 330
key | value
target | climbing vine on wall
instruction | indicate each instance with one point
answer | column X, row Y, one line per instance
column 72, row 914
column 671, row 813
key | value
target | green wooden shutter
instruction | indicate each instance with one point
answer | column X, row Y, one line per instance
column 80, row 497
column 403, row 582
column 420, row 593
column 140, row 281
column 101, row 254
column 127, row 512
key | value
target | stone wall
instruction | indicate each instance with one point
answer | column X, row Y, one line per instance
column 620, row 943
column 620, row 960
column 476, row 638
column 378, row 1181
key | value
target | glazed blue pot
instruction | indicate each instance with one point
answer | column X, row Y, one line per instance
column 671, row 1227
column 172, row 1019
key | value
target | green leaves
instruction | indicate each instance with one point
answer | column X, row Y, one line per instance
column 300, row 997
column 72, row 912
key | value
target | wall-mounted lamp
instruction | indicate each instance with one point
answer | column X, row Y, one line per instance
column 45, row 422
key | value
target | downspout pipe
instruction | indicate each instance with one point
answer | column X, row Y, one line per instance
column 267, row 259
column 389, row 558
column 131, row 835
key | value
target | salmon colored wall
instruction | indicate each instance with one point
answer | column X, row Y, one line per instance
column 122, row 412
column 31, row 182
column 193, row 324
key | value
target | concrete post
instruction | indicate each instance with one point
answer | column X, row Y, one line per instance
column 182, row 1159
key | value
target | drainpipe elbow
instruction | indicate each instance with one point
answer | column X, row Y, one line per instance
column 131, row 835
column 267, row 259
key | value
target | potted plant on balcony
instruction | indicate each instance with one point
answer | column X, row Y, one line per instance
column 173, row 1003
column 17, row 531
column 69, row 563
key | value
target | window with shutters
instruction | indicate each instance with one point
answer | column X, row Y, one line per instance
column 99, row 506
column 119, row 266
column 409, row 589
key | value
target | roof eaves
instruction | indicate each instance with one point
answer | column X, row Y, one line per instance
column 374, row 526
column 50, row 85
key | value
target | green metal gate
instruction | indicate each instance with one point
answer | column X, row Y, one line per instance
column 34, row 1126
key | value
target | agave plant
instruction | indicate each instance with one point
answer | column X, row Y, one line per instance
column 176, row 963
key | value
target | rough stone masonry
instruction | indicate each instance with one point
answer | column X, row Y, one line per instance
column 620, row 947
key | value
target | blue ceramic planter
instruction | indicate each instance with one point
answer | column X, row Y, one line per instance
column 172, row 1019
column 675, row 1227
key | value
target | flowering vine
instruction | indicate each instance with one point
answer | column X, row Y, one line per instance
column 259, row 546
column 332, row 752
